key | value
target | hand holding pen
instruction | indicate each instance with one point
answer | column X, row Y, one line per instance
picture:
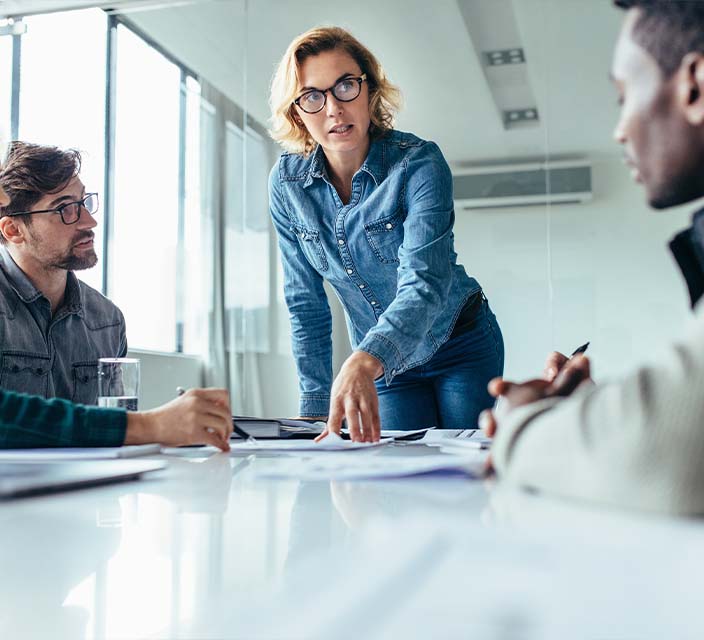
column 556, row 361
column 204, row 411
column 238, row 430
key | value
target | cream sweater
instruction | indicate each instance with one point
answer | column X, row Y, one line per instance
column 637, row 442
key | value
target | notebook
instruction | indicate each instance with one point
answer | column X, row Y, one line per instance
column 28, row 478
column 262, row 428
column 58, row 454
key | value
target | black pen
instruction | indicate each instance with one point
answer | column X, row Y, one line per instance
column 240, row 432
column 579, row 350
column 243, row 434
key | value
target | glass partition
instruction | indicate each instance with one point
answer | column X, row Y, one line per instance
column 169, row 103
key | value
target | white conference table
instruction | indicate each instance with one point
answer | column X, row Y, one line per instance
column 206, row 549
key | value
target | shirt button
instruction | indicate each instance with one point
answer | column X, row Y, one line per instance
column 373, row 303
column 350, row 271
column 340, row 242
column 361, row 286
column 389, row 225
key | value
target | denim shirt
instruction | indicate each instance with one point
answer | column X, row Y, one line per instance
column 55, row 356
column 388, row 254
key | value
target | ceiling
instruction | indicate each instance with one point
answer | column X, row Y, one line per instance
column 426, row 50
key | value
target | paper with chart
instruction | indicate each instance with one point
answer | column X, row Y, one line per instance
column 369, row 467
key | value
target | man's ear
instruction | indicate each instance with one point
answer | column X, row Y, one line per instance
column 12, row 230
column 691, row 88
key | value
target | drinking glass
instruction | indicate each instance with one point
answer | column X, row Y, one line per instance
column 118, row 383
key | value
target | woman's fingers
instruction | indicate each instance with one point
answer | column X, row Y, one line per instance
column 354, row 423
column 334, row 424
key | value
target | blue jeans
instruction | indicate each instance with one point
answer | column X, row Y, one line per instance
column 449, row 391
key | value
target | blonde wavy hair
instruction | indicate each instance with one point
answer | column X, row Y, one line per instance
column 384, row 97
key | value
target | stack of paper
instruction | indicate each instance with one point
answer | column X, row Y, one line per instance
column 331, row 442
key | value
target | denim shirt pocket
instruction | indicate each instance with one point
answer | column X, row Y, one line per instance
column 385, row 237
column 85, row 382
column 309, row 240
column 25, row 373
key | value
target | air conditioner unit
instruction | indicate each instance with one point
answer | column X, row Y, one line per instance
column 523, row 185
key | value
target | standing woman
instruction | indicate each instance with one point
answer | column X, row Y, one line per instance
column 369, row 209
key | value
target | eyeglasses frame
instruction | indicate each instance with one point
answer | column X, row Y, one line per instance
column 60, row 209
column 359, row 79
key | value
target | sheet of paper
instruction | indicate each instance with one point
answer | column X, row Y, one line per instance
column 442, row 436
column 399, row 433
column 51, row 454
column 374, row 467
column 476, row 441
column 332, row 442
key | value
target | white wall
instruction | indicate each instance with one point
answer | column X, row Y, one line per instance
column 615, row 283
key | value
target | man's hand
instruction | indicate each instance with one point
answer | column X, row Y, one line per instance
column 573, row 372
column 199, row 416
column 354, row 399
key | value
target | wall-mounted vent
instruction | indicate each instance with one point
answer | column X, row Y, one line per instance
column 521, row 185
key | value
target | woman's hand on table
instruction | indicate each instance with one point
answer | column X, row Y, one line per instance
column 355, row 400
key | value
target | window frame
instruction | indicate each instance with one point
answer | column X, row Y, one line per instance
column 112, row 23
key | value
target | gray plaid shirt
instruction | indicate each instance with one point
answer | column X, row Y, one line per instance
column 55, row 356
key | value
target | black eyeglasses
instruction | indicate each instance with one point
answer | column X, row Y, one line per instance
column 71, row 211
column 344, row 90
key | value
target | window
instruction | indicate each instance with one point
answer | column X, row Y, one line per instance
column 5, row 88
column 62, row 95
column 197, row 260
column 160, row 160
column 143, row 247
column 247, row 257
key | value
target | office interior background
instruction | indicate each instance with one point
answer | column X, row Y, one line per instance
column 168, row 102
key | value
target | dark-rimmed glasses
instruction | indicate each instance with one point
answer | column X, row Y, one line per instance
column 70, row 212
column 344, row 90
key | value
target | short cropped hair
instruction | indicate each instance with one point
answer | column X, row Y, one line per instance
column 384, row 97
column 31, row 171
column 668, row 29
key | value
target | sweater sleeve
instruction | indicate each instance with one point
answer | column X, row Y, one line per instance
column 30, row 421
column 636, row 443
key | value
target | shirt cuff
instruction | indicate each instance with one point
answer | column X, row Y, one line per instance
column 104, row 427
column 314, row 405
column 510, row 428
column 386, row 352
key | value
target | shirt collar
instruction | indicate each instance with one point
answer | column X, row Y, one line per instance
column 29, row 293
column 17, row 278
column 688, row 250
column 374, row 164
